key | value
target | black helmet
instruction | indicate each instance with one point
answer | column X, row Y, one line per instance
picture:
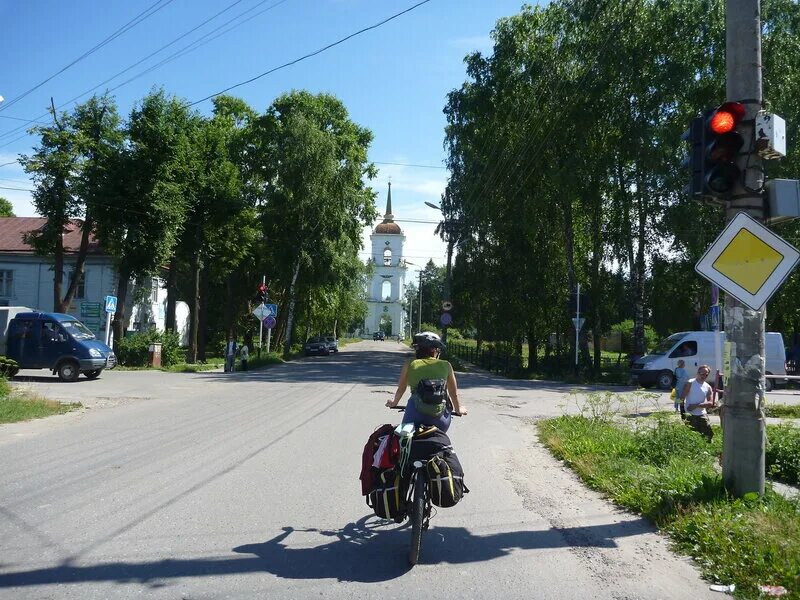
column 428, row 339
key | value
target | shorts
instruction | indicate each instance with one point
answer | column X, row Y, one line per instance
column 412, row 415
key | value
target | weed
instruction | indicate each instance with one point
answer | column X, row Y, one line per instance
column 19, row 406
column 782, row 411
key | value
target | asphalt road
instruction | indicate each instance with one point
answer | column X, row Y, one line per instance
column 245, row 485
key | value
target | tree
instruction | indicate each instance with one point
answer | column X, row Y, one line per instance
column 6, row 208
column 312, row 161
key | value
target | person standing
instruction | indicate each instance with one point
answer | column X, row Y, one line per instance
column 244, row 353
column 230, row 355
column 697, row 396
column 681, row 377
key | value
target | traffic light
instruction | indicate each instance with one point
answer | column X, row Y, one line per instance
column 714, row 144
column 723, row 143
column 261, row 294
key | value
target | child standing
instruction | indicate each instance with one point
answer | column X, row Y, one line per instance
column 681, row 378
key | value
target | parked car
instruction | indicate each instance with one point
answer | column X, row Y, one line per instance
column 316, row 345
column 379, row 336
column 53, row 341
column 333, row 343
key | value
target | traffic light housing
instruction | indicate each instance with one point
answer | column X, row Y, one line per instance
column 261, row 294
column 695, row 160
column 723, row 143
column 714, row 143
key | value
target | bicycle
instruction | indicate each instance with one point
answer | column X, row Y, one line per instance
column 418, row 503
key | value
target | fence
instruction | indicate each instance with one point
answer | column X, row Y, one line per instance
column 503, row 362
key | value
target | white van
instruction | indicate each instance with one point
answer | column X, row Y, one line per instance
column 700, row 348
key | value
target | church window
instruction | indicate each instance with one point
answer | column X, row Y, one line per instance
column 386, row 290
column 387, row 258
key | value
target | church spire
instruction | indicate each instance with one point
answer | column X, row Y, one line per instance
column 388, row 217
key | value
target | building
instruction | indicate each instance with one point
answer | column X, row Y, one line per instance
column 26, row 279
column 386, row 290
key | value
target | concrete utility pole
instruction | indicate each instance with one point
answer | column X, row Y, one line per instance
column 447, row 283
column 742, row 415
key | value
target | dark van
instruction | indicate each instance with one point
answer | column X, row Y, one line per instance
column 54, row 341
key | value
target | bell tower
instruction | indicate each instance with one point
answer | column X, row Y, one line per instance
column 386, row 290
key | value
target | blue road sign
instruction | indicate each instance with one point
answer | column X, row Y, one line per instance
column 272, row 310
column 269, row 321
column 111, row 304
column 714, row 314
column 446, row 318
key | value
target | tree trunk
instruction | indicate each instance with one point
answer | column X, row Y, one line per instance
column 638, row 311
column 228, row 308
column 172, row 294
column 118, row 323
column 569, row 248
column 58, row 273
column 202, row 329
column 191, row 357
column 80, row 261
column 287, row 345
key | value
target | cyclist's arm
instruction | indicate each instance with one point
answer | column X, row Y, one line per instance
column 402, row 384
column 452, row 391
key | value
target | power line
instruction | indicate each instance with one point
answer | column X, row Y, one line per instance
column 148, row 12
column 19, row 119
column 316, row 52
column 168, row 59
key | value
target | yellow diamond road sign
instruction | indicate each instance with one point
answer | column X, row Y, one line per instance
column 748, row 261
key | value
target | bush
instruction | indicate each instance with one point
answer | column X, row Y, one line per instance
column 625, row 328
column 8, row 367
column 134, row 350
column 783, row 453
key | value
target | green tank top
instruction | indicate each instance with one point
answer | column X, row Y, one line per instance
column 426, row 368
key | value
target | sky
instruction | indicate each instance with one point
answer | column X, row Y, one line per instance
column 393, row 79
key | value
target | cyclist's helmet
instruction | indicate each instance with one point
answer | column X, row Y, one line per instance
column 428, row 339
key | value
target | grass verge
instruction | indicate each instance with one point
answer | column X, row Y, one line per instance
column 782, row 411
column 667, row 473
column 19, row 406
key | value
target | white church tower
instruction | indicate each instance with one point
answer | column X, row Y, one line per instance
column 385, row 293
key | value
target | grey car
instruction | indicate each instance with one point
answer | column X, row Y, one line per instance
column 333, row 343
column 316, row 345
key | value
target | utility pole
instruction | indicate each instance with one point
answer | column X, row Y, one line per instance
column 742, row 415
column 447, row 272
column 419, row 310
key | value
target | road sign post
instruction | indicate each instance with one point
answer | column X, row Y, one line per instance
column 111, row 309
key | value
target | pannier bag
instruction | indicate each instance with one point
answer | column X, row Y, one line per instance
column 388, row 497
column 446, row 479
column 429, row 440
column 368, row 472
column 431, row 396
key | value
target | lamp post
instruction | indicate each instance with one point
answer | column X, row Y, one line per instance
column 419, row 309
column 445, row 228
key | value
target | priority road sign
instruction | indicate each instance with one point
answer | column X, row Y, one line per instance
column 260, row 312
column 111, row 304
column 748, row 261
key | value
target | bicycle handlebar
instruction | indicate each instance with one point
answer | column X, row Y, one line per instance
column 402, row 407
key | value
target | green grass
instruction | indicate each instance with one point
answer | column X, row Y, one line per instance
column 18, row 406
column 667, row 473
column 782, row 411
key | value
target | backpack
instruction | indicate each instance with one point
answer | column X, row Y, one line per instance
column 388, row 497
column 431, row 396
column 446, row 478
column 368, row 472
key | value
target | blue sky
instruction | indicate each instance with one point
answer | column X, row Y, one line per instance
column 393, row 80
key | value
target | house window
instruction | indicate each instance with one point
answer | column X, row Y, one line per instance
column 154, row 285
column 80, row 291
column 6, row 283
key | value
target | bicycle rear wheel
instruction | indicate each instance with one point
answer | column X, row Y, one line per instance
column 417, row 516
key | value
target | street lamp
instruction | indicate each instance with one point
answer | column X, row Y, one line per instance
column 445, row 229
column 419, row 309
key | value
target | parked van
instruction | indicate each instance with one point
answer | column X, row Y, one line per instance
column 700, row 348
column 55, row 341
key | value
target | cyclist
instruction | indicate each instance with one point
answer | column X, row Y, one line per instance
column 427, row 365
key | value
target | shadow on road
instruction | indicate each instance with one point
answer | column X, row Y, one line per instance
column 366, row 551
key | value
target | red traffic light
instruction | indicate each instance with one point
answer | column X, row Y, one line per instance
column 261, row 288
column 726, row 117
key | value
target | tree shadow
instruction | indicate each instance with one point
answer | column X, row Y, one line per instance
column 367, row 551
